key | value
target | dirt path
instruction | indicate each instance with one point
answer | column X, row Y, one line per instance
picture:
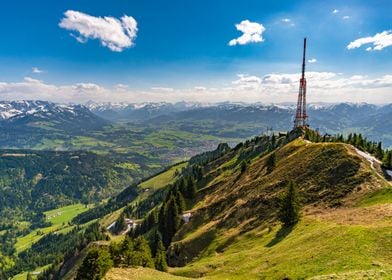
column 371, row 159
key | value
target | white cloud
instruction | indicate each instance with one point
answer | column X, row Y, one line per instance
column 274, row 87
column 121, row 87
column 31, row 80
column 252, row 33
column 312, row 60
column 294, row 78
column 164, row 89
column 36, row 70
column 87, row 87
column 247, row 82
column 199, row 88
column 335, row 11
column 346, row 17
column 116, row 34
column 287, row 22
column 379, row 41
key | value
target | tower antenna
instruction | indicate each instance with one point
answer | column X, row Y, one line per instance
column 300, row 115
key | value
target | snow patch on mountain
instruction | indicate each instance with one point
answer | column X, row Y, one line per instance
column 21, row 108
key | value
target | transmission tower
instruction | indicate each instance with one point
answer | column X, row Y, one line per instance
column 300, row 115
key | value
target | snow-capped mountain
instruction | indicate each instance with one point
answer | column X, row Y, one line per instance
column 58, row 116
column 19, row 109
column 136, row 112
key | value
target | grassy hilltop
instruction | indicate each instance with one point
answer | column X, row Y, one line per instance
column 344, row 232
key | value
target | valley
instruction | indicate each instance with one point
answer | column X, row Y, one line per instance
column 125, row 154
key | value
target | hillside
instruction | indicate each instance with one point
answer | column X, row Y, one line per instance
column 42, row 180
column 234, row 231
column 42, row 191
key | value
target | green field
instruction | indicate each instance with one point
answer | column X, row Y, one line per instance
column 58, row 217
column 163, row 179
column 23, row 276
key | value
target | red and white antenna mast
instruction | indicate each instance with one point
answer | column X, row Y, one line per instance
column 300, row 115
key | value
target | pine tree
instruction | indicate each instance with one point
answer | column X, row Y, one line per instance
column 199, row 173
column 349, row 138
column 161, row 218
column 120, row 223
column 179, row 201
column 152, row 219
column 127, row 248
column 155, row 241
column 273, row 141
column 354, row 139
column 181, row 185
column 271, row 162
column 95, row 265
column 142, row 255
column 160, row 256
column 340, row 138
column 115, row 253
column 290, row 206
column 172, row 221
column 243, row 166
column 387, row 161
column 191, row 188
column 379, row 151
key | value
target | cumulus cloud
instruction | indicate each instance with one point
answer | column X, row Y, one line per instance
column 251, row 33
column 346, row 17
column 36, row 70
column 286, row 20
column 312, row 60
column 379, row 41
column 115, row 34
column 335, row 11
column 247, row 82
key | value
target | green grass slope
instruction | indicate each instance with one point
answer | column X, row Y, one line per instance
column 234, row 232
column 58, row 219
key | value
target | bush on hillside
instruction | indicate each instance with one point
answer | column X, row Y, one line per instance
column 95, row 265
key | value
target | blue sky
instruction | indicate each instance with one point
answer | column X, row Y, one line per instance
column 180, row 50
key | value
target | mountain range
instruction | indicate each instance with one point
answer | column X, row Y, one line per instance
column 29, row 124
column 372, row 120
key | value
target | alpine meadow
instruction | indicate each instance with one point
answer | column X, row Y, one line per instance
column 160, row 140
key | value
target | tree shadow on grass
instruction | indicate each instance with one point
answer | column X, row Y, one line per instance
column 281, row 234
